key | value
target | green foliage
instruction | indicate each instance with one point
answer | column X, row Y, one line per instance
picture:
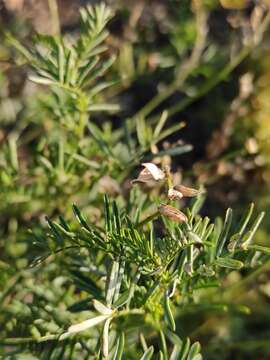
column 129, row 269
column 73, row 70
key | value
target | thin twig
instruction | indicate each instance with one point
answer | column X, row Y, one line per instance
column 53, row 7
column 183, row 70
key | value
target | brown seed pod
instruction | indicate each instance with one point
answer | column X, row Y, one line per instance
column 172, row 213
column 186, row 191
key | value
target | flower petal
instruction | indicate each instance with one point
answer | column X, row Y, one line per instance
column 144, row 177
column 156, row 172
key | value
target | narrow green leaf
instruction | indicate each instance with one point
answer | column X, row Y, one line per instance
column 151, row 244
column 248, row 237
column 229, row 263
column 182, row 261
column 194, row 238
column 116, row 218
column 85, row 70
column 104, row 107
column 171, row 130
column 61, row 62
column 148, row 354
column 105, row 339
column 68, row 65
column 175, row 353
column 213, row 240
column 208, row 232
column 197, row 204
column 185, row 349
column 160, row 124
column 141, row 131
column 122, row 299
column 203, row 228
column 100, row 70
column 101, row 308
column 85, row 161
column 119, row 280
column 143, row 342
column 84, row 325
column 173, row 338
column 41, row 80
column 64, row 231
column 233, row 242
column 111, row 282
column 245, row 219
column 54, row 230
column 198, row 357
column 80, row 217
column 100, row 87
column 174, row 151
column 161, row 355
column 263, row 249
column 46, row 163
column 85, row 283
column 168, row 313
column 107, row 213
column 64, row 223
column 46, row 74
column 225, row 231
column 194, row 350
column 99, row 138
column 119, row 347
column 163, row 345
column 12, row 142
column 82, row 305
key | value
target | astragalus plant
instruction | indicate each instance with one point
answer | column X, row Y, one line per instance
column 114, row 282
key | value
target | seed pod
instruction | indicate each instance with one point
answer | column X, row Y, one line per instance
column 186, row 191
column 172, row 213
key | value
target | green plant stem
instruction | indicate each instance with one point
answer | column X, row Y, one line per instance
column 26, row 340
column 214, row 81
column 185, row 69
column 18, row 341
column 130, row 312
column 82, row 123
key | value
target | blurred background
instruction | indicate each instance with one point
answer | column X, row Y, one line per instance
column 206, row 62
